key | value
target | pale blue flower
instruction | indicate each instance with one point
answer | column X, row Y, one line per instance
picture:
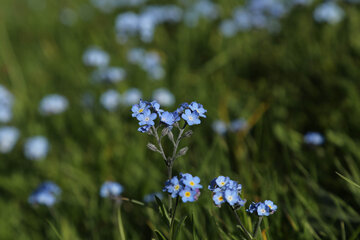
column 314, row 138
column 228, row 28
column 237, row 125
column 219, row 127
column 131, row 96
column 192, row 118
column 36, row 148
column 164, row 97
column 53, row 104
column 111, row 189
column 263, row 210
column 146, row 118
column 328, row 12
column 95, row 57
column 231, row 197
column 8, row 138
column 126, row 25
column 109, row 75
column 46, row 194
column 6, row 104
column 218, row 198
column 110, row 99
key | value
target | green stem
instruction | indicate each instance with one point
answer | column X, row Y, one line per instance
column 257, row 227
column 173, row 218
column 132, row 201
column 247, row 234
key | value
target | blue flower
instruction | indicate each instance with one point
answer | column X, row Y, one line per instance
column 212, row 186
column 234, row 186
column 95, row 57
column 238, row 125
column 109, row 75
column 53, row 104
column 167, row 118
column 231, row 197
column 111, row 189
column 173, row 187
column 46, row 194
column 192, row 182
column 192, row 118
column 144, row 128
column 146, row 118
column 252, row 207
column 228, row 28
column 263, row 210
column 221, row 181
column 36, row 148
column 218, row 198
column 131, row 96
column 313, row 138
column 139, row 108
column 8, row 138
column 271, row 205
column 197, row 107
column 110, row 100
column 219, row 127
column 156, row 106
column 328, row 12
column 187, row 195
column 6, row 103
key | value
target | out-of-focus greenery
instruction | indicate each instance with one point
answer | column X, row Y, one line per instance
column 303, row 78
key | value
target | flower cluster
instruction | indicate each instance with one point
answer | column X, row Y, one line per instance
column 111, row 189
column 314, row 138
column 226, row 190
column 188, row 187
column 46, row 194
column 328, row 12
column 262, row 209
column 147, row 112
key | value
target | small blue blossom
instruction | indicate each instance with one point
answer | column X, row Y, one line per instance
column 231, row 197
column 95, row 57
column 188, row 195
column 156, row 106
column 53, row 104
column 46, row 194
column 328, row 12
column 6, row 103
column 110, row 100
column 36, row 148
column 192, row 182
column 252, row 207
column 8, row 138
column 218, row 198
column 263, row 210
column 221, row 181
column 219, row 127
column 271, row 205
column 111, row 189
column 228, row 28
column 146, row 118
column 139, row 108
column 313, row 138
column 167, row 118
column 197, row 107
column 144, row 128
column 192, row 118
column 173, row 187
column 238, row 125
column 109, row 75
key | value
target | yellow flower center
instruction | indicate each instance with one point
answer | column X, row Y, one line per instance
column 269, row 206
column 141, row 110
column 222, row 183
column 192, row 183
column 177, row 187
column 220, row 199
column 187, row 194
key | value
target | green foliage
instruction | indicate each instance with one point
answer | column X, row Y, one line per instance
column 306, row 77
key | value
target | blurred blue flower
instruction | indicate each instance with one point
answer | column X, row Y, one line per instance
column 314, row 138
column 192, row 118
column 146, row 118
column 46, row 194
column 156, row 106
column 197, row 107
column 53, row 104
column 136, row 55
column 126, row 25
column 6, row 104
column 328, row 12
column 131, row 96
column 110, row 100
column 151, row 197
column 111, row 189
column 238, row 125
column 187, row 195
column 8, row 138
column 109, row 75
column 36, row 148
column 219, row 127
column 164, row 97
column 201, row 9
column 95, row 57
column 68, row 17
column 167, row 118
column 228, row 28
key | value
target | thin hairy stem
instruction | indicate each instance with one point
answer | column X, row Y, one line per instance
column 246, row 232
column 257, row 227
column 173, row 218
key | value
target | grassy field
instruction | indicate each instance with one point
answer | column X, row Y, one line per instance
column 303, row 77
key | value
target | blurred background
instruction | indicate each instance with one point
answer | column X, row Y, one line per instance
column 279, row 79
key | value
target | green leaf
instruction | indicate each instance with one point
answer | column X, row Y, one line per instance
column 177, row 230
column 348, row 180
column 164, row 214
column 55, row 230
column 160, row 235
column 121, row 226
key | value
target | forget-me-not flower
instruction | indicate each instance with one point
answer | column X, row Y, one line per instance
column 167, row 118
column 46, row 194
column 8, row 138
column 111, row 189
column 328, row 12
column 197, row 107
column 313, row 138
column 110, row 100
column 146, row 118
column 53, row 104
column 95, row 57
column 164, row 97
column 192, row 118
column 36, row 148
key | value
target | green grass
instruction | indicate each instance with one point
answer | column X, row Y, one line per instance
column 305, row 77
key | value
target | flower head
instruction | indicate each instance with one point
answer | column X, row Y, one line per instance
column 111, row 189
column 218, row 198
column 139, row 108
column 187, row 195
column 167, row 118
column 46, row 194
column 146, row 118
column 36, row 148
column 144, row 128
column 8, row 138
column 313, row 138
column 263, row 210
column 53, row 104
column 192, row 118
column 188, row 187
column 110, row 100
column 173, row 187
column 197, row 107
column 226, row 190
column 191, row 182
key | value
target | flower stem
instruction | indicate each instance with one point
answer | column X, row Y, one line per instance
column 246, row 232
column 257, row 227
column 173, row 218
column 132, row 201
